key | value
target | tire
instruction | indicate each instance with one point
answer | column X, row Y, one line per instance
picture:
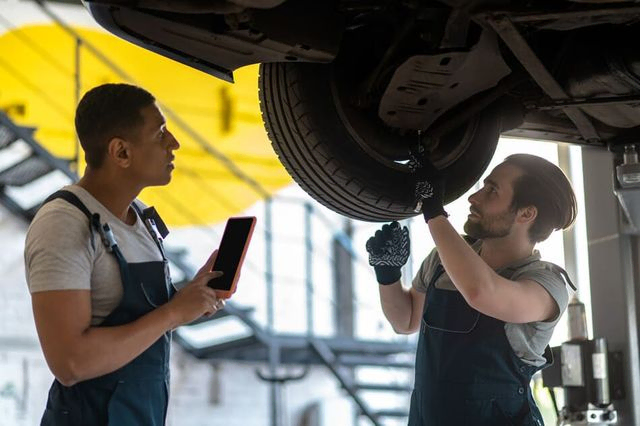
column 350, row 162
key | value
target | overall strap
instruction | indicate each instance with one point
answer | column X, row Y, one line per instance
column 439, row 270
column 94, row 224
column 154, row 224
column 565, row 275
column 432, row 283
column 436, row 274
column 73, row 199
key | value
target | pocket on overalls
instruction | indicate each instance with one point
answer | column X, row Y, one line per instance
column 139, row 402
column 73, row 406
column 450, row 313
column 490, row 412
column 501, row 412
column 59, row 412
column 59, row 416
column 153, row 295
column 119, row 405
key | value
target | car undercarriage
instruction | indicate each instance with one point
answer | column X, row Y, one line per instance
column 350, row 89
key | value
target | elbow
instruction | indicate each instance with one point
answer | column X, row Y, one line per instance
column 66, row 381
column 67, row 373
column 473, row 298
column 404, row 329
column 400, row 330
column 66, row 378
column 478, row 299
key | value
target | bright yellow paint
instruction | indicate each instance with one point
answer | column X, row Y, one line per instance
column 38, row 90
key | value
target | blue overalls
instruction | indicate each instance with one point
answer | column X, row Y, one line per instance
column 466, row 371
column 136, row 394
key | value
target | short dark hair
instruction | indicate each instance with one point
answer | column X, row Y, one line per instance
column 108, row 111
column 544, row 186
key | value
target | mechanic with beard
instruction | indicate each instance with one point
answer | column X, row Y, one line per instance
column 485, row 306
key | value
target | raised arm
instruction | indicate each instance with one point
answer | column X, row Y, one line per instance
column 388, row 251
column 511, row 301
column 402, row 307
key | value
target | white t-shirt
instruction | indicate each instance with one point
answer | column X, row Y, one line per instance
column 528, row 340
column 59, row 255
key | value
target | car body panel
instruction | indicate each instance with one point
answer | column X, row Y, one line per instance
column 218, row 43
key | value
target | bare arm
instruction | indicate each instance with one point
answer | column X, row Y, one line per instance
column 76, row 351
column 402, row 307
column 483, row 289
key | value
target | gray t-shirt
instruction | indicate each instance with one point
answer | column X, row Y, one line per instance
column 528, row 340
column 59, row 255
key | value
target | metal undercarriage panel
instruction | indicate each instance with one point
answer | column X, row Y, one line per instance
column 426, row 86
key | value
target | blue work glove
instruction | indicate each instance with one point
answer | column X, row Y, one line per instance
column 388, row 251
column 429, row 188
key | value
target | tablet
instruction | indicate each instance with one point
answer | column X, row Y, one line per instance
column 233, row 247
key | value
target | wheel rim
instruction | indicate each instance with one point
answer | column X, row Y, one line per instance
column 394, row 153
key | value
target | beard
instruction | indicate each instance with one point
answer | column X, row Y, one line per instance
column 495, row 226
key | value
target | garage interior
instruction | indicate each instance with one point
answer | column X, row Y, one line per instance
column 605, row 391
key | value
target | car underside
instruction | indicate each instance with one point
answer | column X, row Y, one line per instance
column 350, row 89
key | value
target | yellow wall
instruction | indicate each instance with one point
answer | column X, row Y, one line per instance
column 37, row 88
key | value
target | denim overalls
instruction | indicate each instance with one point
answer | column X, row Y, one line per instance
column 136, row 394
column 466, row 371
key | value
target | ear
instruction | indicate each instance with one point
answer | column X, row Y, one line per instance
column 527, row 214
column 119, row 152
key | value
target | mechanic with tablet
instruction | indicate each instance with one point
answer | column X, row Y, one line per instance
column 485, row 307
column 103, row 301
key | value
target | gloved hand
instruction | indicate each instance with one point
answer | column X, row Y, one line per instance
column 429, row 188
column 388, row 251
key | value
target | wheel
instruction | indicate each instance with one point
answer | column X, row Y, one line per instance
column 346, row 158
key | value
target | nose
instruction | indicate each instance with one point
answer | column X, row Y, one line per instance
column 173, row 144
column 473, row 198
